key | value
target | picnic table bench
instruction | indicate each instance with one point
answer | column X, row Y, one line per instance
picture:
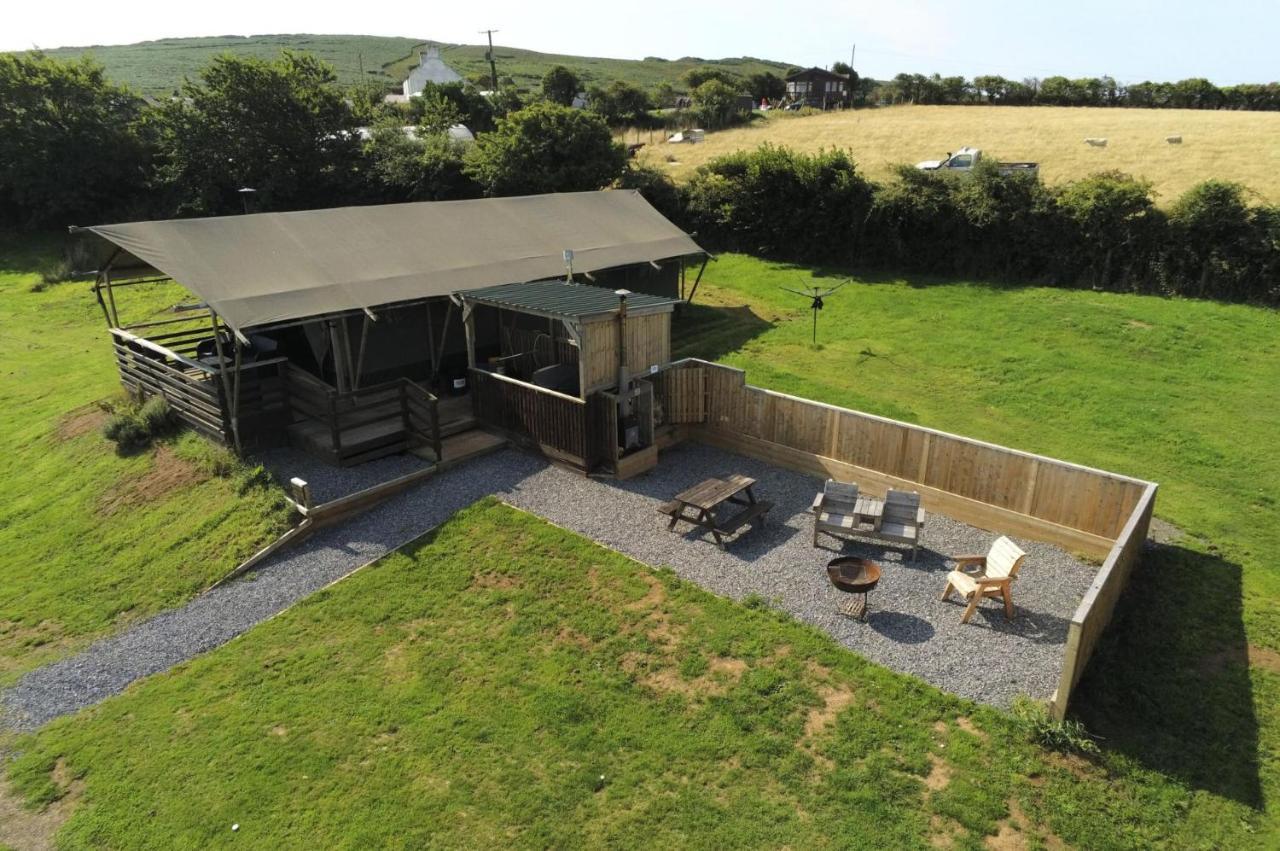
column 700, row 506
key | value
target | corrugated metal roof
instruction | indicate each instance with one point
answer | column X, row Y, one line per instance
column 563, row 299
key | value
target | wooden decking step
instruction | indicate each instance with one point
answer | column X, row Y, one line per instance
column 463, row 446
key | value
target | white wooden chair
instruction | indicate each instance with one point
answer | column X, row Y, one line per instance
column 902, row 520
column 993, row 576
column 833, row 509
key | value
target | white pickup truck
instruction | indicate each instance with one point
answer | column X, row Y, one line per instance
column 965, row 159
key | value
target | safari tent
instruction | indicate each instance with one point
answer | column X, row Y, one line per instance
column 342, row 330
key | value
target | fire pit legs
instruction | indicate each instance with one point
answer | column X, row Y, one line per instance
column 854, row 576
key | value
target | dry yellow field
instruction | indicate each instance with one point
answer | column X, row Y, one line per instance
column 1239, row 146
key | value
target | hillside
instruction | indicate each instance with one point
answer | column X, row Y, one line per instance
column 1239, row 146
column 155, row 68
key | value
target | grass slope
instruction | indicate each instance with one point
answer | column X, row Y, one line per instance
column 504, row 682
column 1239, row 146
column 90, row 538
column 1180, row 392
column 156, row 68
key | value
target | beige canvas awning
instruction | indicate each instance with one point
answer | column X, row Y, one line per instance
column 271, row 267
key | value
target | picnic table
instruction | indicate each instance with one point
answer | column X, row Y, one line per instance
column 701, row 506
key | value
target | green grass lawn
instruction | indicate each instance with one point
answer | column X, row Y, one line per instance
column 473, row 688
column 505, row 682
column 1187, row 684
column 91, row 539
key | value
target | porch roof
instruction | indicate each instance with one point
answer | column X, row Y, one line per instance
column 563, row 300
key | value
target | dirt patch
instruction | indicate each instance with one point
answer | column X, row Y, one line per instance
column 78, row 422
column 1138, row 323
column 966, row 724
column 569, row 635
column 1012, row 832
column 834, row 700
column 1250, row 655
column 397, row 661
column 25, row 829
column 167, row 474
column 44, row 638
column 499, row 581
column 721, row 675
column 943, row 831
column 939, row 776
column 653, row 598
column 731, row 668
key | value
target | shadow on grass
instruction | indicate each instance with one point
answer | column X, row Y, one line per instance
column 707, row 332
column 1169, row 684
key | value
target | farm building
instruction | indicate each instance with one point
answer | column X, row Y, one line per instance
column 358, row 332
column 818, row 88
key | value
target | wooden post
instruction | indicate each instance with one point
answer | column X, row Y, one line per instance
column 431, row 342
column 235, row 403
column 222, row 368
column 444, row 336
column 469, row 324
column 111, row 297
column 339, row 373
column 364, row 337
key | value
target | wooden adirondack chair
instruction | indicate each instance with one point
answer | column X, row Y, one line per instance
column 833, row 509
column 993, row 578
column 902, row 520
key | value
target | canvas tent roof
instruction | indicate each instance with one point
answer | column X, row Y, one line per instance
column 259, row 269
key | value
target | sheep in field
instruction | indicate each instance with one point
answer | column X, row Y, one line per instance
column 1095, row 142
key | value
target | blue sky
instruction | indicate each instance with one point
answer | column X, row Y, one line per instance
column 1228, row 41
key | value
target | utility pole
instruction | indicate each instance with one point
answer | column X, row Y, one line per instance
column 493, row 66
column 852, row 53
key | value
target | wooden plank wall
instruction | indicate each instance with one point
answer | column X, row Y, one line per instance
column 980, row 483
column 648, row 345
column 194, row 395
column 558, row 424
column 1096, row 609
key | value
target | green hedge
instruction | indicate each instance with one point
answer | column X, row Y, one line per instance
column 1103, row 231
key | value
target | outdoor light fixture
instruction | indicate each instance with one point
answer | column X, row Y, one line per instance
column 245, row 192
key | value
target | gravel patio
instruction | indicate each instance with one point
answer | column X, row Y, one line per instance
column 908, row 629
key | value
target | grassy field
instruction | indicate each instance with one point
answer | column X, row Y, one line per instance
column 504, row 682
column 156, row 68
column 1239, row 146
column 476, row 687
column 90, row 539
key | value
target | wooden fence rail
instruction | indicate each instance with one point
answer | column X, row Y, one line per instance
column 580, row 433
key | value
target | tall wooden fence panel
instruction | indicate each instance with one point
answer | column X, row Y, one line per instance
column 556, row 422
column 981, row 483
column 1096, row 609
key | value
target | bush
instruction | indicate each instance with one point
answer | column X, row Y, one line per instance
column 127, row 432
column 1062, row 736
column 778, row 203
column 134, row 427
column 1116, row 224
column 656, row 187
column 545, row 148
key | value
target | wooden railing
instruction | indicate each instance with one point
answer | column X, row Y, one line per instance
column 192, row 389
column 370, row 421
column 563, row 427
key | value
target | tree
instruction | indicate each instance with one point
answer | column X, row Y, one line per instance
column 841, row 68
column 408, row 168
column 438, row 112
column 620, row 104
column 766, row 86
column 560, row 85
column 282, row 127
column 475, row 108
column 716, row 104
column 71, row 148
column 695, row 77
column 664, row 95
column 545, row 148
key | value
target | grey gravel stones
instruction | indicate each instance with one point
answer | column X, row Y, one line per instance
column 908, row 629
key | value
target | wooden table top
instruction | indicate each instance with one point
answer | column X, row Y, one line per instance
column 712, row 492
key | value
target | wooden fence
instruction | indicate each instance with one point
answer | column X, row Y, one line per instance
column 1095, row 610
column 563, row 427
column 987, row 485
column 1101, row 514
column 192, row 389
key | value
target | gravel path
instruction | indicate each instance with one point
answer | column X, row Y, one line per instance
column 908, row 628
column 109, row 665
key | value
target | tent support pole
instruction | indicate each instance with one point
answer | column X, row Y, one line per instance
column 698, row 279
column 339, row 367
column 431, row 342
column 226, row 381
column 353, row 380
column 444, row 336
column 469, row 323
column 235, row 404
column 364, row 338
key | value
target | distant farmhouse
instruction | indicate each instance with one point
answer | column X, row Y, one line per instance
column 430, row 69
column 818, row 88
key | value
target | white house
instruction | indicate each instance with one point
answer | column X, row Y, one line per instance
column 430, row 69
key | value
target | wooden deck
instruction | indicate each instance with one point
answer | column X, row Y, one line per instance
column 383, row 435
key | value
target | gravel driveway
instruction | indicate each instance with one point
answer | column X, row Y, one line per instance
column 908, row 629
